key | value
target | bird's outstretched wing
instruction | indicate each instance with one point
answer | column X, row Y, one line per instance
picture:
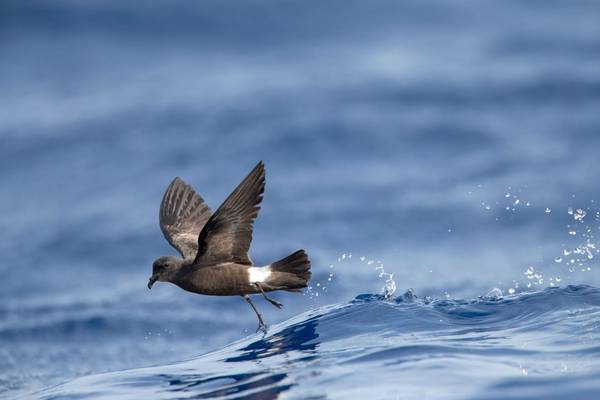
column 227, row 235
column 183, row 214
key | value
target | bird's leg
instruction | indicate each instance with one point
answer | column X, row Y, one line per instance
column 261, row 324
column 270, row 300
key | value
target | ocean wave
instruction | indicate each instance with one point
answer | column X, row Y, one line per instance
column 541, row 344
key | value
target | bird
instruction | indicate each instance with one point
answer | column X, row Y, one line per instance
column 214, row 246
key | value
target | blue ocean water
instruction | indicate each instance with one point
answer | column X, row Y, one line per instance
column 538, row 345
column 449, row 148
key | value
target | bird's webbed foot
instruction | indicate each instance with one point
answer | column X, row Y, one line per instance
column 262, row 327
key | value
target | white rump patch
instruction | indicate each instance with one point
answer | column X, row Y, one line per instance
column 259, row 274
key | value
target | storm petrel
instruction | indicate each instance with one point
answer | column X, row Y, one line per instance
column 215, row 246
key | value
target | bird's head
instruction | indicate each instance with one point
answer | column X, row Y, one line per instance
column 164, row 269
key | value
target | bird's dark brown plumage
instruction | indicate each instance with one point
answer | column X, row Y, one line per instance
column 182, row 216
column 227, row 235
column 215, row 246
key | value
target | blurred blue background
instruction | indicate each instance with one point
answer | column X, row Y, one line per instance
column 446, row 140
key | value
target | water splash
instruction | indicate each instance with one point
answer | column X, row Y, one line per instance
column 318, row 288
column 389, row 287
column 579, row 250
column 493, row 295
column 535, row 277
column 579, row 215
column 581, row 254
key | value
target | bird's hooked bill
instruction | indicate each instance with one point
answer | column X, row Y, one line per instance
column 151, row 281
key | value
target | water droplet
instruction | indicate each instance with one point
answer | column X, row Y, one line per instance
column 507, row 195
column 548, row 211
column 579, row 214
column 558, row 259
column 488, row 207
column 528, row 204
column 570, row 210
column 517, row 201
column 511, row 291
column 530, row 270
column 572, row 233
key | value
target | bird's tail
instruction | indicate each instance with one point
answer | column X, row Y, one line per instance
column 291, row 273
